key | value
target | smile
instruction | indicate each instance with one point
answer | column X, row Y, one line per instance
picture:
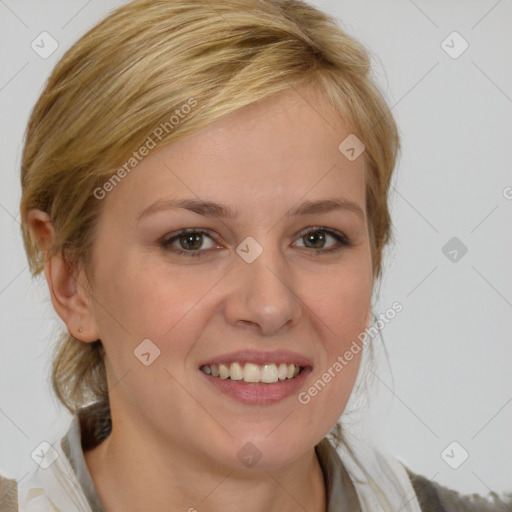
column 253, row 373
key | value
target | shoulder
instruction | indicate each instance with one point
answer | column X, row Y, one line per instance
column 434, row 497
column 8, row 494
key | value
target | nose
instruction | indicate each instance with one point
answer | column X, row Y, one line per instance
column 263, row 295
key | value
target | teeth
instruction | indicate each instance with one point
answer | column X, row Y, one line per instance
column 223, row 371
column 269, row 373
column 236, row 372
column 282, row 371
column 250, row 372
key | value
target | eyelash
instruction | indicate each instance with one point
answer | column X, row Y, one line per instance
column 342, row 240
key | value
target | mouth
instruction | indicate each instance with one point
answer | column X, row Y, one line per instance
column 255, row 377
column 252, row 373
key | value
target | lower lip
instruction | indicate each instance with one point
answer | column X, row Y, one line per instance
column 258, row 393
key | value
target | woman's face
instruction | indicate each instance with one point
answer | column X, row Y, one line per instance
column 267, row 283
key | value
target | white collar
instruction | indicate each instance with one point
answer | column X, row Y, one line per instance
column 381, row 481
column 52, row 485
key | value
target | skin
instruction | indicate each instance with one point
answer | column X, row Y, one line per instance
column 175, row 439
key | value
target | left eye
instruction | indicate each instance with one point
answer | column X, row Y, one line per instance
column 191, row 241
column 320, row 235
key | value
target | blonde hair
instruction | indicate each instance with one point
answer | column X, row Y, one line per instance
column 141, row 64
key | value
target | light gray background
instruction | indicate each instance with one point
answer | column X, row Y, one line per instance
column 450, row 348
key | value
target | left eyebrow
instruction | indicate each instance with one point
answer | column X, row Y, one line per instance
column 326, row 206
column 216, row 210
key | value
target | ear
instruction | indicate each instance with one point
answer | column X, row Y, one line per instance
column 68, row 287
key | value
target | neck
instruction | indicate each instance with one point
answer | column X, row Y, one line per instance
column 130, row 473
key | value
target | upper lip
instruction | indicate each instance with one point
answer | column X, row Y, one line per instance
column 260, row 357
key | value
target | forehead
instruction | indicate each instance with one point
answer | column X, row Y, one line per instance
column 274, row 152
column 289, row 126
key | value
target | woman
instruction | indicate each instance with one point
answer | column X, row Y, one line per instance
column 205, row 187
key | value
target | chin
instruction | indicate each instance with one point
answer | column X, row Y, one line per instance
column 263, row 451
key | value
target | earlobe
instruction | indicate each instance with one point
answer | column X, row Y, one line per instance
column 68, row 288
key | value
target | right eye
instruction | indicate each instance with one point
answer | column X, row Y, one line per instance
column 190, row 241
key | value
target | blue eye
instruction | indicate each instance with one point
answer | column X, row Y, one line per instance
column 191, row 241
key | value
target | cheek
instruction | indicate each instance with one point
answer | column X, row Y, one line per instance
column 146, row 299
column 342, row 300
column 341, row 306
column 147, row 302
